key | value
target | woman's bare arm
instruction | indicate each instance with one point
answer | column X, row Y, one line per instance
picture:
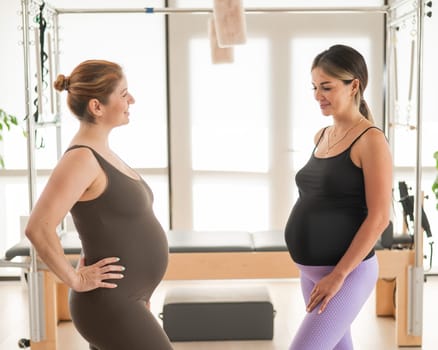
column 73, row 176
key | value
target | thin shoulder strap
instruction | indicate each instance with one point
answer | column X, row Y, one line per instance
column 320, row 138
column 104, row 164
column 97, row 155
column 80, row 146
column 363, row 132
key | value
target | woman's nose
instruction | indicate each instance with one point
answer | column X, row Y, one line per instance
column 317, row 94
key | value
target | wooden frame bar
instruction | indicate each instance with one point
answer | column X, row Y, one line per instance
column 394, row 265
column 230, row 265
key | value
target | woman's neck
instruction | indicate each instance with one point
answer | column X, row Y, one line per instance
column 341, row 125
column 92, row 135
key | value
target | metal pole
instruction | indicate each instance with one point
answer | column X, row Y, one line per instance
column 418, row 195
column 34, row 277
column 6, row 263
column 152, row 10
column 391, row 91
column 57, row 116
column 416, row 272
column 387, row 120
column 51, row 77
column 55, row 55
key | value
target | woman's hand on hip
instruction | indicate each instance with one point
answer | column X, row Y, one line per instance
column 94, row 276
column 324, row 291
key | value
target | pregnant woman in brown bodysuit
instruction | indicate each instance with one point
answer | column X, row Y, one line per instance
column 125, row 250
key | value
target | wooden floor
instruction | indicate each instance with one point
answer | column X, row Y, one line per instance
column 369, row 331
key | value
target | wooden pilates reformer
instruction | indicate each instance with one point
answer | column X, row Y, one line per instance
column 231, row 255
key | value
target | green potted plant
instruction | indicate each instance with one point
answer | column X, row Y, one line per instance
column 6, row 122
column 435, row 184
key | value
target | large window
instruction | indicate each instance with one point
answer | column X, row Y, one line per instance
column 240, row 131
column 230, row 133
column 230, row 105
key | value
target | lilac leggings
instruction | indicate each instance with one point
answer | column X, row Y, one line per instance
column 331, row 329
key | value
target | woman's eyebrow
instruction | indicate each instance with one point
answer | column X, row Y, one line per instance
column 323, row 83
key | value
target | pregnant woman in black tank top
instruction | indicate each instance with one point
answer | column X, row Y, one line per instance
column 343, row 205
column 125, row 250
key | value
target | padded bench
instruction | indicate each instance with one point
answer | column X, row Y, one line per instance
column 182, row 242
column 228, row 255
column 218, row 313
column 69, row 240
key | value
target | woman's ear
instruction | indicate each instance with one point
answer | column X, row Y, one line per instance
column 355, row 86
column 95, row 107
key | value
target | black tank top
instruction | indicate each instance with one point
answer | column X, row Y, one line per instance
column 329, row 211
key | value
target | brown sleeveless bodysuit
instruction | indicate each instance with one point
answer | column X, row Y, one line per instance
column 121, row 223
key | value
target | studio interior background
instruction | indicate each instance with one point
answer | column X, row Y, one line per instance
column 219, row 144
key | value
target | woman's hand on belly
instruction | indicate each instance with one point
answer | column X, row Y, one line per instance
column 94, row 276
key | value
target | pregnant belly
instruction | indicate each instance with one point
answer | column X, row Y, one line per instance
column 145, row 267
column 145, row 259
column 321, row 237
